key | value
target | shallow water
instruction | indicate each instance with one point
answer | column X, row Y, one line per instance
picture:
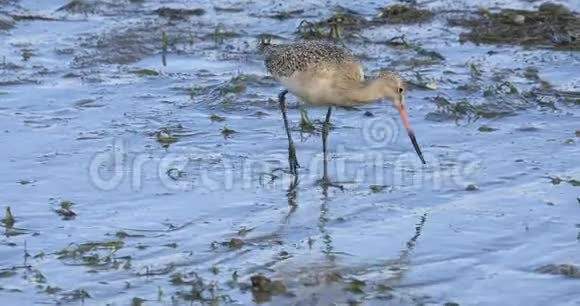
column 80, row 123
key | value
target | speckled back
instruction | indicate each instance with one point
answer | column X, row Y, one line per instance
column 283, row 60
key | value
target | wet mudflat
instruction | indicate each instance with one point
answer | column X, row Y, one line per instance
column 144, row 156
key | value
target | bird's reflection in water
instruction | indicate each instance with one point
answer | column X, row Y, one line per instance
column 330, row 281
column 330, row 271
column 401, row 265
column 324, row 233
column 291, row 194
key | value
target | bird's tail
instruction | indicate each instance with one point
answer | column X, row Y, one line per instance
column 264, row 44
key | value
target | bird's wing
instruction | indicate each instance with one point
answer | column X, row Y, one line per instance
column 284, row 60
column 350, row 72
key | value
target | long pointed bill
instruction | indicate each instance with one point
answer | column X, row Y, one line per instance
column 405, row 118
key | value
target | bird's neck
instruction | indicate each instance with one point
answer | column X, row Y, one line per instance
column 367, row 91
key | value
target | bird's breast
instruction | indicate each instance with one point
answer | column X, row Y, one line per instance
column 313, row 90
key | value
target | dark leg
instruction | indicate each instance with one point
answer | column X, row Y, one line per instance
column 325, row 182
column 325, row 130
column 292, row 160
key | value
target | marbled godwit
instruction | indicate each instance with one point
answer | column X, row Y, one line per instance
column 321, row 73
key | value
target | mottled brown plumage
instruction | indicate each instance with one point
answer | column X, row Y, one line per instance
column 322, row 73
column 283, row 60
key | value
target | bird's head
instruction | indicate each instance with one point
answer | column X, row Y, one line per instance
column 394, row 89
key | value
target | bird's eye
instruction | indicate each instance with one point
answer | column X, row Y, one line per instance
column 401, row 90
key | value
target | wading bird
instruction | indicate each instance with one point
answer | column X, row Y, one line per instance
column 324, row 74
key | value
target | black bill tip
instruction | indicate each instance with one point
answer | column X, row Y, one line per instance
column 416, row 146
